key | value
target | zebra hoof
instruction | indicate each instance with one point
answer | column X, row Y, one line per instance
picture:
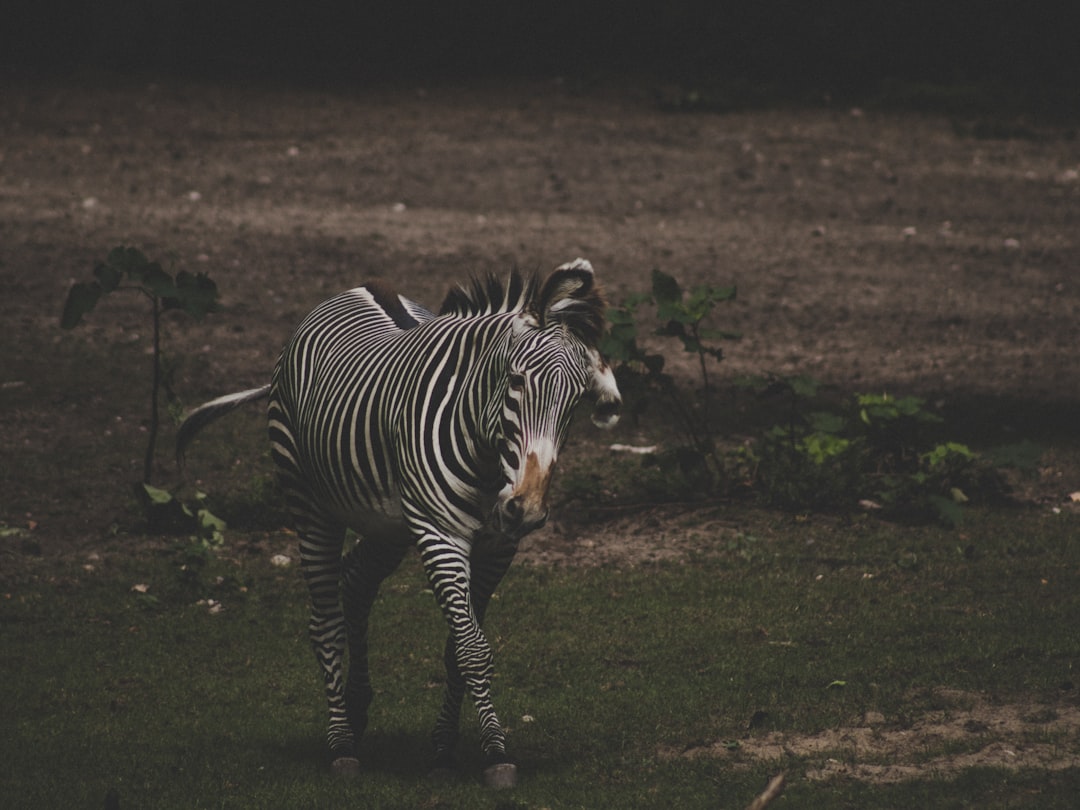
column 346, row 767
column 500, row 776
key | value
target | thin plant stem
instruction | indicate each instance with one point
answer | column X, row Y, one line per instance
column 151, row 443
column 706, row 409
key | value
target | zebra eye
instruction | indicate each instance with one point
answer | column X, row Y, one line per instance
column 517, row 382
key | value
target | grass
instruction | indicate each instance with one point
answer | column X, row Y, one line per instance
column 151, row 700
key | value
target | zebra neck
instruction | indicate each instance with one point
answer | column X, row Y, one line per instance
column 486, row 377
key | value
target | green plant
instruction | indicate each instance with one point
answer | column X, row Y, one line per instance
column 166, row 512
column 128, row 269
column 684, row 316
column 202, row 531
column 875, row 448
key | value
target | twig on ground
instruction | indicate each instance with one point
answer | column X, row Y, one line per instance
column 772, row 790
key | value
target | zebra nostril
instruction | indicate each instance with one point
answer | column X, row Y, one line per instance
column 513, row 509
column 509, row 514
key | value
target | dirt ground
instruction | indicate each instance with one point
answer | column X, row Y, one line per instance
column 969, row 731
column 873, row 250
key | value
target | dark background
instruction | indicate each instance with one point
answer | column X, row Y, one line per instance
column 839, row 46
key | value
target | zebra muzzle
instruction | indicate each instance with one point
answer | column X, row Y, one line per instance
column 525, row 508
column 512, row 515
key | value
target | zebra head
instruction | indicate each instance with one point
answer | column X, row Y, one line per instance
column 553, row 362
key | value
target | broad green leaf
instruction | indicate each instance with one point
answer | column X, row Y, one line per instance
column 82, row 298
column 158, row 496
column 668, row 296
column 1023, row 455
column 909, row 406
column 108, row 276
column 725, row 293
column 128, row 261
column 948, row 511
column 671, row 328
column 672, row 311
column 804, row 385
column 960, row 449
column 820, row 447
column 210, row 520
column 703, row 298
column 691, row 345
column 872, row 399
column 654, row 363
column 943, row 453
column 777, row 432
column 196, row 294
column 665, row 288
column 620, row 316
column 157, row 282
column 826, row 421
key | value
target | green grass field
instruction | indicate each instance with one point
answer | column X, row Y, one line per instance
column 116, row 698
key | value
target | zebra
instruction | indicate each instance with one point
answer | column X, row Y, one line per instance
column 438, row 432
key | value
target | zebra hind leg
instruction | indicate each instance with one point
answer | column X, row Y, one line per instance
column 448, row 725
column 364, row 569
column 320, row 560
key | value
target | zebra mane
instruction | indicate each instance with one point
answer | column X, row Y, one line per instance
column 488, row 295
column 569, row 296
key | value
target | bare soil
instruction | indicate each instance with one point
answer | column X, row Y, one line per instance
column 971, row 731
column 873, row 250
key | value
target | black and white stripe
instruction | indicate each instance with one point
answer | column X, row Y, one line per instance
column 433, row 431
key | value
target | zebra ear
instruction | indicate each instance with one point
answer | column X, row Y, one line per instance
column 570, row 296
column 606, row 390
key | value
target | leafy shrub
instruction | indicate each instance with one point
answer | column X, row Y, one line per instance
column 682, row 316
column 879, row 450
column 128, row 269
column 875, row 449
column 167, row 513
column 202, row 532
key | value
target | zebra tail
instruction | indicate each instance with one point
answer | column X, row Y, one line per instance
column 210, row 412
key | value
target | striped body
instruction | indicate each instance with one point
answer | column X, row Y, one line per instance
column 369, row 415
column 439, row 432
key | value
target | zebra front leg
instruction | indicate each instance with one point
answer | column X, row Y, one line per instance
column 448, row 569
column 320, row 561
column 489, row 563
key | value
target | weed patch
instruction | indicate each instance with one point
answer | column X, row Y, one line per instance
column 875, row 451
